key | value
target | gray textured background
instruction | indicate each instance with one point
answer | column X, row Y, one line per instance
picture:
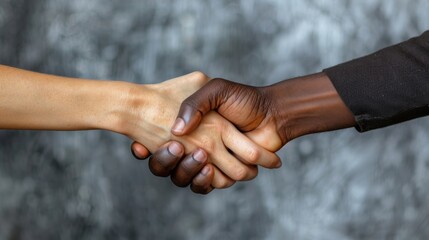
column 86, row 185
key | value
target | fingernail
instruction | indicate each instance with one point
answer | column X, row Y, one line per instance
column 178, row 125
column 199, row 156
column 279, row 164
column 175, row 149
column 205, row 171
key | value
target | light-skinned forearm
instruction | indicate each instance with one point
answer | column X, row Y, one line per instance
column 30, row 100
column 145, row 113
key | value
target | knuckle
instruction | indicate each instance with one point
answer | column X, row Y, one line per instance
column 207, row 143
column 253, row 155
column 240, row 174
column 200, row 76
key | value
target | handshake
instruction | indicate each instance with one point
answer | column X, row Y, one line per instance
column 207, row 133
column 224, row 130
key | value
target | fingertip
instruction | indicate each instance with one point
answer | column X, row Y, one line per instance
column 279, row 164
column 139, row 151
column 208, row 169
column 178, row 127
column 202, row 182
column 204, row 177
column 187, row 120
column 176, row 149
column 166, row 158
column 189, row 168
column 200, row 155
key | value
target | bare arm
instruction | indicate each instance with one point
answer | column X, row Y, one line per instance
column 145, row 113
column 30, row 100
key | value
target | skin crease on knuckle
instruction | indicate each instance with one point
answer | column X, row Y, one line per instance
column 207, row 96
column 247, row 153
column 253, row 155
column 207, row 135
column 218, row 128
column 240, row 174
column 250, row 153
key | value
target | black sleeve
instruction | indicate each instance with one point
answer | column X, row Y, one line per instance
column 388, row 86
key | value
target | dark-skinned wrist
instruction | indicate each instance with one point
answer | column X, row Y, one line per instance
column 305, row 105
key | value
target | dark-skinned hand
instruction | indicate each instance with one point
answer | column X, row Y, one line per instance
column 247, row 108
column 270, row 116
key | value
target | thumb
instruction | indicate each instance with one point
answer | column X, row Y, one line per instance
column 192, row 110
column 187, row 120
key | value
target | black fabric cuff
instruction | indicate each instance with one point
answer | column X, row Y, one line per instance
column 386, row 87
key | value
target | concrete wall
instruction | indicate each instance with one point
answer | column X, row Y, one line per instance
column 86, row 185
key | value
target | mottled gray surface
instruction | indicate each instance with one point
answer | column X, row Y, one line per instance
column 86, row 185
